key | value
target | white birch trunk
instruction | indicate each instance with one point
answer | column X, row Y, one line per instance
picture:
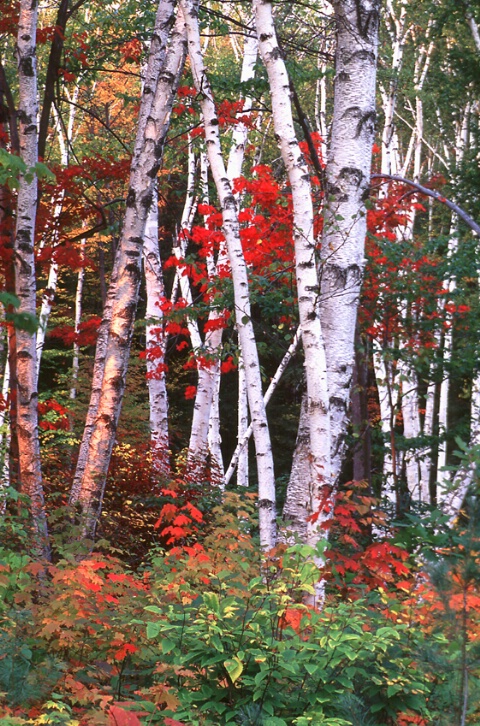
column 442, row 475
column 243, row 427
column 387, row 394
column 4, row 441
column 348, row 180
column 266, row 479
column 305, row 264
column 25, row 283
column 78, row 319
column 163, row 72
column 205, row 437
column 48, row 294
column 155, row 338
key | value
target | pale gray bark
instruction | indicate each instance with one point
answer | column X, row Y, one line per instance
column 25, row 282
column 297, row 505
column 154, row 116
column 267, row 512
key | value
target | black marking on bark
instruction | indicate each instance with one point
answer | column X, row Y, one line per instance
column 30, row 129
column 367, row 19
column 344, row 276
column 276, row 53
column 214, row 122
column 131, row 197
column 24, row 355
column 351, row 175
column 147, row 200
column 264, row 37
column 26, row 66
column 229, row 202
column 369, row 116
column 361, row 55
column 132, row 269
column 312, row 315
column 265, row 504
column 343, row 77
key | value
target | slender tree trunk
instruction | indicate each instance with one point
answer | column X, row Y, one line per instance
column 155, row 340
column 266, row 479
column 242, row 444
column 78, row 319
column 163, row 72
column 25, row 284
column 205, row 437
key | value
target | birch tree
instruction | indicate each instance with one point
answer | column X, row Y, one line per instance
column 305, row 263
column 348, row 180
column 25, row 283
column 163, row 71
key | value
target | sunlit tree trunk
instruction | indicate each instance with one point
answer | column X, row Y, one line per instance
column 163, row 72
column 266, row 479
column 25, row 283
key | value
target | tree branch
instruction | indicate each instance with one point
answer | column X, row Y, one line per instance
column 435, row 195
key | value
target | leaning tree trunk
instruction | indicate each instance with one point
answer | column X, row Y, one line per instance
column 266, row 479
column 25, row 283
column 348, row 181
column 163, row 72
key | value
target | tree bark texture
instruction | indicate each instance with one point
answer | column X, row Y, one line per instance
column 305, row 262
column 25, row 282
column 348, row 182
column 156, row 103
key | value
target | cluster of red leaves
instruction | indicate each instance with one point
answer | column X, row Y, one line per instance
column 9, row 13
column 179, row 519
column 353, row 560
column 53, row 416
column 86, row 334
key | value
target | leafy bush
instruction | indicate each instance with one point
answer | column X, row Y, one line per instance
column 256, row 655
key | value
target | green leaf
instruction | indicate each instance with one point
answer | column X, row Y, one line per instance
column 153, row 630
column 234, row 668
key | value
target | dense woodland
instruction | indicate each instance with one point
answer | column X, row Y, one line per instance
column 239, row 359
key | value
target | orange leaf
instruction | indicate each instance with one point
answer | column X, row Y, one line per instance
column 119, row 717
